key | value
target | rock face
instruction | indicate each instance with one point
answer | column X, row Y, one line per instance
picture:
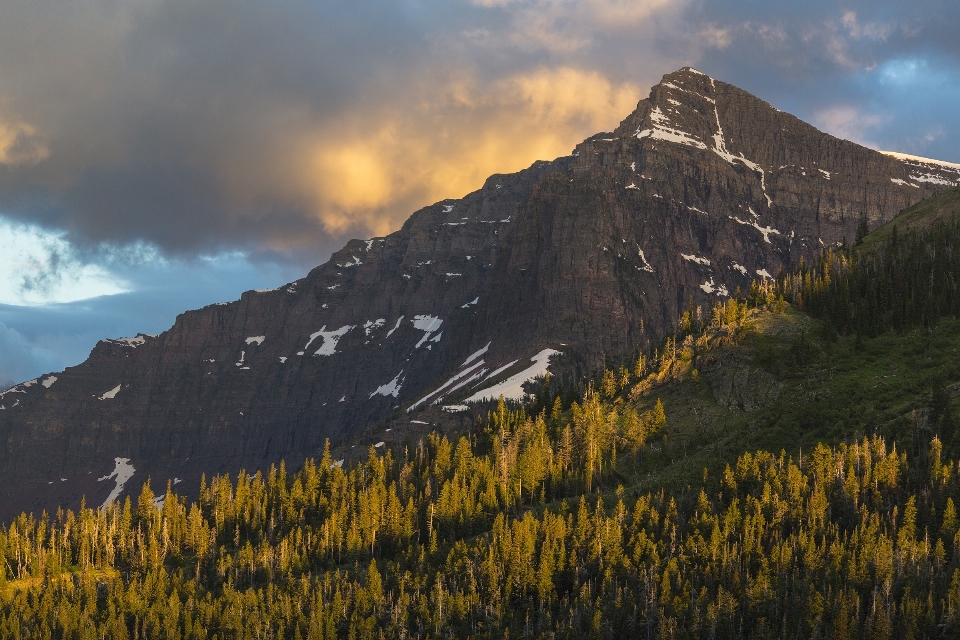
column 701, row 189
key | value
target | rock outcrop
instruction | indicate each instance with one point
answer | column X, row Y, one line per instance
column 701, row 189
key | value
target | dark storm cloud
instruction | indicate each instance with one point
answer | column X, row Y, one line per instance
column 148, row 120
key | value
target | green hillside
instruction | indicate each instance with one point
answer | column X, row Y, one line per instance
column 782, row 467
column 943, row 207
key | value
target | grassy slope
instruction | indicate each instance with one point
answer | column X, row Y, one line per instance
column 844, row 391
column 923, row 215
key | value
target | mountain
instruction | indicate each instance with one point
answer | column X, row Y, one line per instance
column 774, row 476
column 701, row 189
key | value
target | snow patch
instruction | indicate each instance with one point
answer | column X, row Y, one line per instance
column 766, row 231
column 455, row 408
column 711, row 287
column 646, row 265
column 446, row 384
column 371, row 325
column 929, row 170
column 693, row 93
column 696, row 258
column 498, row 371
column 356, row 262
column 763, row 273
column 258, row 339
column 391, row 388
column 631, row 186
column 933, row 179
column 427, row 324
column 122, row 472
column 512, row 387
column 447, row 208
column 670, row 135
column 903, row 183
column 110, row 395
column 720, row 148
column 129, row 342
column 48, row 382
column 283, row 359
column 739, row 267
column 475, row 355
column 395, row 327
column 379, row 444
column 471, row 303
column 330, row 339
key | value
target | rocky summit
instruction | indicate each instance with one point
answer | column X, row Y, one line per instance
column 699, row 191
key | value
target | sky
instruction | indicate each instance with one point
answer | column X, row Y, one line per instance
column 161, row 155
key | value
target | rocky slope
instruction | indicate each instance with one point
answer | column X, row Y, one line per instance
column 701, row 189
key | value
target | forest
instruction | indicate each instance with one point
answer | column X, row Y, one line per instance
column 529, row 526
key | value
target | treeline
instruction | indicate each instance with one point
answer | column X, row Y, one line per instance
column 855, row 541
column 185, row 570
column 907, row 280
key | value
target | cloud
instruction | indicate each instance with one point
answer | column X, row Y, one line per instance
column 849, row 123
column 41, row 267
column 20, row 360
column 716, row 37
column 877, row 31
column 452, row 141
column 565, row 27
column 20, row 144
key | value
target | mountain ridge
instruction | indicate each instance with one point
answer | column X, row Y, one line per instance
column 701, row 189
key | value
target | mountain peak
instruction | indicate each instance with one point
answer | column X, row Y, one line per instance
column 699, row 191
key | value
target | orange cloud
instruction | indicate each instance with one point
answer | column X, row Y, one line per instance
column 385, row 164
column 20, row 144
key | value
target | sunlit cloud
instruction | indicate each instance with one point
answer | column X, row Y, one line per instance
column 849, row 123
column 385, row 164
column 877, row 31
column 20, row 144
column 562, row 26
